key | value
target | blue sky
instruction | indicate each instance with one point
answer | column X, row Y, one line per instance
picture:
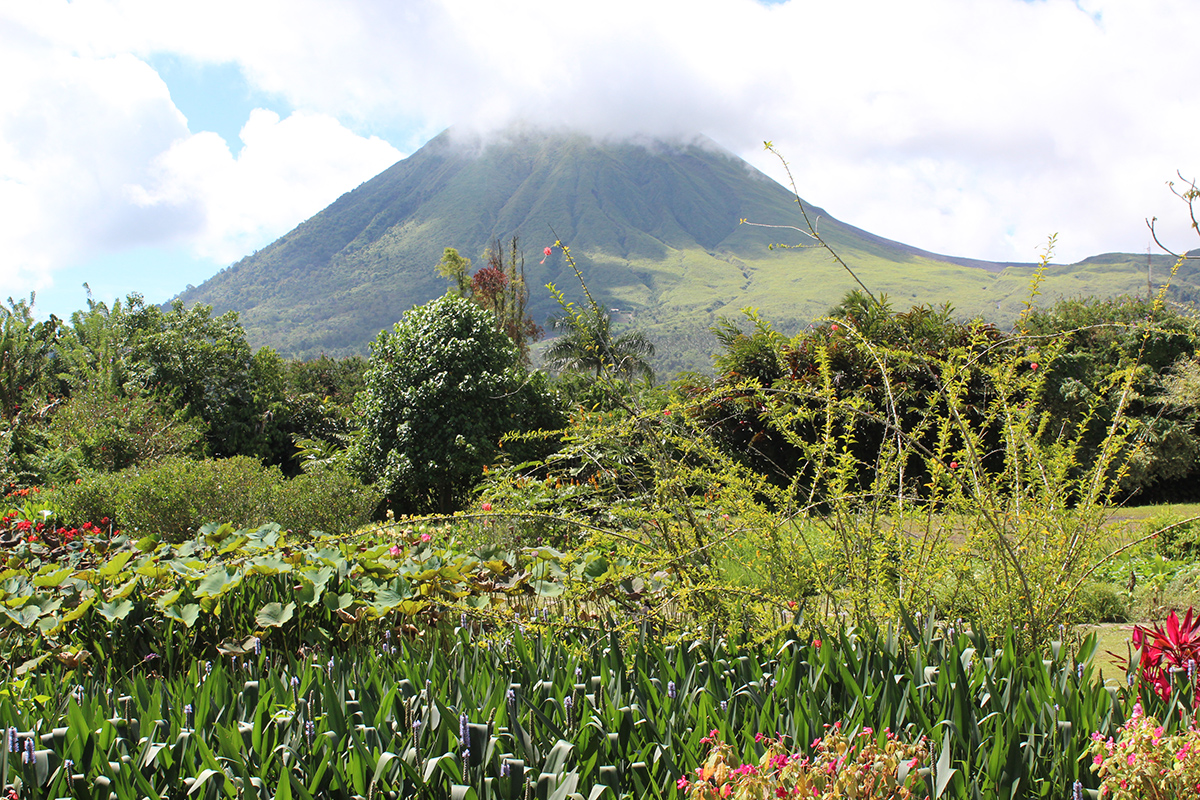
column 144, row 145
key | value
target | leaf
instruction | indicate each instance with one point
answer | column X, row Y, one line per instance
column 115, row 565
column 24, row 617
column 548, row 588
column 274, row 615
column 218, row 582
column 115, row 611
column 944, row 770
column 186, row 614
column 32, row 663
column 52, row 578
column 147, row 543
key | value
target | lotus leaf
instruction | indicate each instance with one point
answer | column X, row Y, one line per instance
column 274, row 615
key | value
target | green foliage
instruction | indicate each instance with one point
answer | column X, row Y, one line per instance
column 1178, row 538
column 174, row 497
column 101, row 431
column 324, row 498
column 1102, row 340
column 440, row 393
column 546, row 709
column 27, row 355
column 1100, row 602
column 456, row 269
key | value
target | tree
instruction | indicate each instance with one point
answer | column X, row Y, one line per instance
column 499, row 287
column 455, row 268
column 437, row 400
column 587, row 344
column 27, row 353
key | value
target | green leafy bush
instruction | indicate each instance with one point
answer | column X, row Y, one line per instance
column 1100, row 602
column 438, row 398
column 327, row 499
column 102, row 431
column 1178, row 538
column 174, row 498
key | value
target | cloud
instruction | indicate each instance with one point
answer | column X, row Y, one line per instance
column 287, row 171
column 973, row 127
column 969, row 127
column 96, row 159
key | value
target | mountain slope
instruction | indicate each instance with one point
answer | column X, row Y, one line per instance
column 653, row 225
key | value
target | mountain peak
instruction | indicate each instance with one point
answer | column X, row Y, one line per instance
column 652, row 223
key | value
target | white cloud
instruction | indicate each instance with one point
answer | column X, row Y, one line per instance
column 970, row 127
column 95, row 158
column 287, row 171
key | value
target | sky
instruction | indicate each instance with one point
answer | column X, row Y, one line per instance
column 146, row 144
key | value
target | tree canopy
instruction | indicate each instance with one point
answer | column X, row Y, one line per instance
column 437, row 400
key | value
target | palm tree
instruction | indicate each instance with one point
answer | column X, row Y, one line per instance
column 588, row 345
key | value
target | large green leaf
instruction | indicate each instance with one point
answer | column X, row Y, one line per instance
column 217, row 582
column 273, row 615
column 187, row 614
column 114, row 611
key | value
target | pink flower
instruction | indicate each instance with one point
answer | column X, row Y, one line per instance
column 486, row 506
column 546, row 254
column 425, row 537
column 682, row 783
column 547, row 251
column 953, row 465
column 394, row 550
column 1033, row 366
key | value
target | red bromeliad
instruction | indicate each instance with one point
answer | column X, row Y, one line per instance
column 1175, row 646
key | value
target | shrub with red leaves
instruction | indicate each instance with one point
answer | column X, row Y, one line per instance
column 1175, row 646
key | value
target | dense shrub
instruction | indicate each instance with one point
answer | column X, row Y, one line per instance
column 174, row 498
column 101, row 431
column 1178, row 538
column 1100, row 602
column 442, row 389
column 327, row 499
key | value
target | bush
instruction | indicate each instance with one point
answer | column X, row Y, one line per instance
column 327, row 499
column 105, row 432
column 1179, row 538
column 90, row 499
column 175, row 497
column 1100, row 602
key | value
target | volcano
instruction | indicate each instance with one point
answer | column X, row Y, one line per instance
column 654, row 226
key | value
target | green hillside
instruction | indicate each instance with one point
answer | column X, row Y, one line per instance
column 653, row 225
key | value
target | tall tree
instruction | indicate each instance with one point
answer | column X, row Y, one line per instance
column 499, row 287
column 436, row 403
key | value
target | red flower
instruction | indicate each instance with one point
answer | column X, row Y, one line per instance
column 1033, row 366
column 24, row 525
column 547, row 251
column 953, row 465
column 486, row 506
